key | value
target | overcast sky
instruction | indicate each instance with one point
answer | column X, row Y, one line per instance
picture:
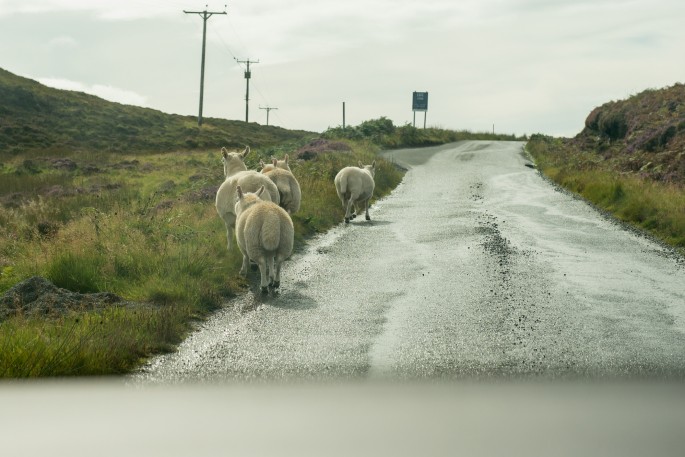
column 526, row 66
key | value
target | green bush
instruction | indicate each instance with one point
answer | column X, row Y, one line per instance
column 383, row 133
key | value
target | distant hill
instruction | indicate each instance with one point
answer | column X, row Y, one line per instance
column 36, row 118
column 643, row 134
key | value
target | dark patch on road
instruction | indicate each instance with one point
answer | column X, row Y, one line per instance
column 514, row 300
column 476, row 192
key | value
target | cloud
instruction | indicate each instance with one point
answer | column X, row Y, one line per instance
column 62, row 42
column 525, row 65
column 103, row 9
column 305, row 29
column 113, row 94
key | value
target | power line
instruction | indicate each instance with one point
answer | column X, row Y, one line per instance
column 229, row 51
column 221, row 39
column 248, row 75
column 204, row 15
column 252, row 86
column 268, row 109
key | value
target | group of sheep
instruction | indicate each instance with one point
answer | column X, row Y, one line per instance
column 256, row 206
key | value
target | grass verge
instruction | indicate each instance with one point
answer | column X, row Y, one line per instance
column 653, row 206
column 143, row 227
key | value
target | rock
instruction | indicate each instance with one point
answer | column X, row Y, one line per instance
column 319, row 146
column 36, row 296
column 64, row 164
column 205, row 194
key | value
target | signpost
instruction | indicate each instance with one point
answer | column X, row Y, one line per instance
column 420, row 103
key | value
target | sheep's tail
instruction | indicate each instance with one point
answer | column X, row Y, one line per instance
column 343, row 185
column 271, row 232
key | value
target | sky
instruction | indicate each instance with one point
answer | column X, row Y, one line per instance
column 522, row 66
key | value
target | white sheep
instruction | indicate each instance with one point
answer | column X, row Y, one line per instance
column 275, row 164
column 265, row 235
column 355, row 187
column 288, row 187
column 237, row 174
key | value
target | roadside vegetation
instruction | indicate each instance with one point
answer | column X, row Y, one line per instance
column 143, row 227
column 385, row 134
column 629, row 160
column 102, row 198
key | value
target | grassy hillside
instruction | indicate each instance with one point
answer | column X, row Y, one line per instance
column 117, row 202
column 629, row 160
column 36, row 118
column 643, row 135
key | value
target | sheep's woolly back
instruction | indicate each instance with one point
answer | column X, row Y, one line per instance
column 249, row 181
column 354, row 186
column 264, row 229
column 281, row 164
column 355, row 183
column 288, row 188
column 271, row 231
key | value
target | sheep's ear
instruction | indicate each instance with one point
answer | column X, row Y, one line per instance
column 286, row 159
column 361, row 165
column 260, row 191
column 246, row 151
column 274, row 161
column 224, row 153
column 261, row 163
column 240, row 192
column 373, row 165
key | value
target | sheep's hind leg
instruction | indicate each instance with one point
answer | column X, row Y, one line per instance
column 264, row 283
column 277, row 273
column 272, row 272
column 246, row 262
column 348, row 212
column 229, row 236
column 366, row 204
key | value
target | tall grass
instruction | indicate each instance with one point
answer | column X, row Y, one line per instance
column 143, row 234
column 112, row 341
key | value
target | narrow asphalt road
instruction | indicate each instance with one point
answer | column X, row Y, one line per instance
column 475, row 267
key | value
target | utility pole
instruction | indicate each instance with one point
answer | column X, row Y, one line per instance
column 204, row 15
column 343, row 115
column 268, row 109
column 248, row 75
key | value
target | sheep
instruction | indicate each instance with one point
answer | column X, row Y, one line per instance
column 267, row 166
column 236, row 173
column 265, row 235
column 275, row 164
column 355, row 187
column 288, row 187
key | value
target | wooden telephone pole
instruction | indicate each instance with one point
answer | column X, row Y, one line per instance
column 268, row 109
column 204, row 15
column 248, row 75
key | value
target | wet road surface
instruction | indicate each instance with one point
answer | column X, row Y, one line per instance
column 475, row 267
